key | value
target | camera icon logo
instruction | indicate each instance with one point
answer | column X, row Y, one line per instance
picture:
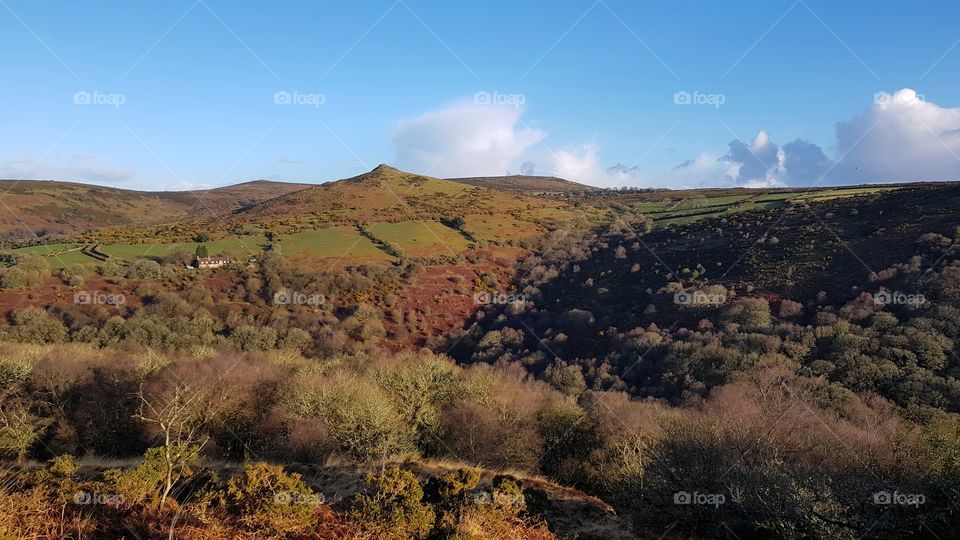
column 281, row 297
column 682, row 98
column 682, row 298
column 82, row 297
column 882, row 497
column 882, row 298
column 482, row 98
column 82, row 98
column 282, row 97
column 682, row 497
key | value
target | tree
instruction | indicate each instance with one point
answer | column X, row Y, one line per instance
column 34, row 325
column 19, row 430
column 180, row 414
column 202, row 251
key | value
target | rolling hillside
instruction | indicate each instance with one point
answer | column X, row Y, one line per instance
column 389, row 195
column 29, row 207
column 526, row 184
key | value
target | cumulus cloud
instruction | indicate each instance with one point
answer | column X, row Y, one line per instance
column 75, row 168
column 464, row 139
column 901, row 137
column 579, row 162
column 756, row 162
column 528, row 168
column 802, row 161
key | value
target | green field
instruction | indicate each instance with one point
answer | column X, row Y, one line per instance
column 498, row 227
column 61, row 255
column 47, row 249
column 420, row 238
column 335, row 242
column 57, row 255
column 238, row 247
column 683, row 211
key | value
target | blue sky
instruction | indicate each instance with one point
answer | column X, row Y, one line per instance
column 177, row 94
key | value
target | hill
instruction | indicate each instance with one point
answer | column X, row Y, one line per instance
column 39, row 207
column 526, row 184
column 817, row 257
column 394, row 204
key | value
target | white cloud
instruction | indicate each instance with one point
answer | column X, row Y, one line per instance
column 464, row 139
column 901, row 137
column 75, row 168
column 579, row 163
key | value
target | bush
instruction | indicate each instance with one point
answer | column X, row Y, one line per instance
column 34, row 325
column 267, row 497
column 361, row 420
column 393, row 507
column 748, row 312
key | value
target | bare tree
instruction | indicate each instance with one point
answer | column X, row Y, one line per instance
column 180, row 414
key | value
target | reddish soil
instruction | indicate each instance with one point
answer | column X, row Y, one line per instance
column 54, row 292
column 442, row 302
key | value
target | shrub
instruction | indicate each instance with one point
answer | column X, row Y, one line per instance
column 748, row 312
column 362, row 421
column 34, row 325
column 393, row 507
column 267, row 497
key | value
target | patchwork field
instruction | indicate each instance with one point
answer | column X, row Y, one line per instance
column 237, row 247
column 420, row 238
column 61, row 255
column 503, row 227
column 688, row 210
column 344, row 243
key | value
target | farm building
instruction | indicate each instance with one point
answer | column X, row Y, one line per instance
column 212, row 262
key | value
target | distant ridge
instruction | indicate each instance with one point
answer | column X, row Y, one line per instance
column 525, row 184
column 51, row 206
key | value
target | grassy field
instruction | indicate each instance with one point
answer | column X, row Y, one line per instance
column 46, row 249
column 57, row 255
column 684, row 211
column 345, row 243
column 239, row 247
column 502, row 227
column 61, row 255
column 420, row 238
